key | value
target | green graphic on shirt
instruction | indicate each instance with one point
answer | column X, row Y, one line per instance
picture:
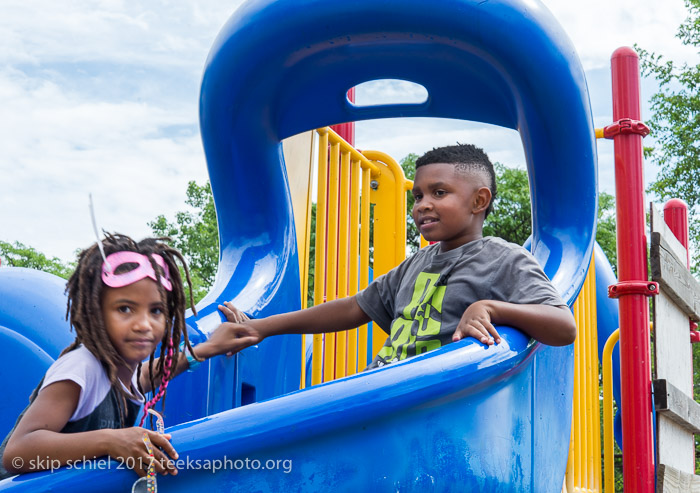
column 416, row 331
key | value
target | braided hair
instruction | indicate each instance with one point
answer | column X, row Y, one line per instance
column 84, row 311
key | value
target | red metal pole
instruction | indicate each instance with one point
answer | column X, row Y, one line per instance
column 637, row 432
column 676, row 217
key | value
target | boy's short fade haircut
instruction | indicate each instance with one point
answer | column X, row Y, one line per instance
column 465, row 158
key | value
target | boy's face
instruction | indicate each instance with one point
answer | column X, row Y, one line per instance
column 450, row 205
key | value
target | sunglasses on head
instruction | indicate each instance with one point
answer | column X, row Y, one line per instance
column 144, row 269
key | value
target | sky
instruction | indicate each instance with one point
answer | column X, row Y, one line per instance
column 101, row 97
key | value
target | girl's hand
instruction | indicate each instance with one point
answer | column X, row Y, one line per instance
column 128, row 447
column 476, row 323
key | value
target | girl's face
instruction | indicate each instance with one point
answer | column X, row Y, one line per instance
column 134, row 316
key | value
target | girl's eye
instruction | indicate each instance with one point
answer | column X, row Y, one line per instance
column 124, row 309
column 157, row 311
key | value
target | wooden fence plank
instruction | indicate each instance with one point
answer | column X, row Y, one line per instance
column 674, row 277
column 677, row 405
column 671, row 480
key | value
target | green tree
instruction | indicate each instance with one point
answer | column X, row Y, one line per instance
column 511, row 218
column 195, row 233
column 606, row 235
column 20, row 255
column 675, row 124
column 408, row 164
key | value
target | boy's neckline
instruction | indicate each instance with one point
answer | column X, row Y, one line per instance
column 461, row 248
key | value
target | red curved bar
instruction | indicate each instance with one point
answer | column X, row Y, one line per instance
column 347, row 130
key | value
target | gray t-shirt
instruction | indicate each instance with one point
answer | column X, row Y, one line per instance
column 422, row 300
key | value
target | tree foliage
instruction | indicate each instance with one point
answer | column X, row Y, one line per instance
column 195, row 233
column 408, row 164
column 511, row 218
column 675, row 123
column 19, row 255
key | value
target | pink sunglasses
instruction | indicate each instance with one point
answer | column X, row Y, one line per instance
column 144, row 269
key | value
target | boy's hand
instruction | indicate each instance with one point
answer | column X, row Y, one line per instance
column 229, row 337
column 476, row 323
column 232, row 313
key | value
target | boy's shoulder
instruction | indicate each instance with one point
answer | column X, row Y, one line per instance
column 500, row 243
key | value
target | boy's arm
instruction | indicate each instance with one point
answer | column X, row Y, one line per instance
column 203, row 350
column 552, row 325
column 332, row 316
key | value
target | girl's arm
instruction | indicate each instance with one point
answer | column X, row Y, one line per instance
column 37, row 443
column 239, row 332
column 204, row 350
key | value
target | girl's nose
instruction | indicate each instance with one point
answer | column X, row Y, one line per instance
column 142, row 323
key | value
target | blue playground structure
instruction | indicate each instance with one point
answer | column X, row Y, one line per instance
column 462, row 418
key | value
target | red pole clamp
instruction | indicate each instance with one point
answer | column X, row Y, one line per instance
column 694, row 336
column 647, row 288
column 625, row 126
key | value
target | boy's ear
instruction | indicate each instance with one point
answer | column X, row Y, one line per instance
column 482, row 199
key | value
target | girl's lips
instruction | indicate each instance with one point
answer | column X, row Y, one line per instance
column 140, row 342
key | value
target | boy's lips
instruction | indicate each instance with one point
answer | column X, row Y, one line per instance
column 425, row 224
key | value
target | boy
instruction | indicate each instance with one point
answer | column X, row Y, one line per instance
column 459, row 287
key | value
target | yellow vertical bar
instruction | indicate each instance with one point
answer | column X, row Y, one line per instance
column 584, row 395
column 304, row 262
column 362, row 360
column 423, row 242
column 593, row 395
column 596, row 387
column 352, row 363
column 577, row 399
column 589, row 397
column 608, row 437
column 569, row 479
column 332, row 257
column 343, row 220
column 320, row 254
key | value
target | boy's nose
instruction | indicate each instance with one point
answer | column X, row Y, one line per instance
column 424, row 205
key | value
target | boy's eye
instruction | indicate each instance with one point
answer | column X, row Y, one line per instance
column 417, row 196
column 439, row 193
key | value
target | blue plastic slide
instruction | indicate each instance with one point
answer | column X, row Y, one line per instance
column 462, row 418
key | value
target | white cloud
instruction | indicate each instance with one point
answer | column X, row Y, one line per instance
column 101, row 96
column 598, row 27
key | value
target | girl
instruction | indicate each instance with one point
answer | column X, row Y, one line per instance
column 124, row 299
